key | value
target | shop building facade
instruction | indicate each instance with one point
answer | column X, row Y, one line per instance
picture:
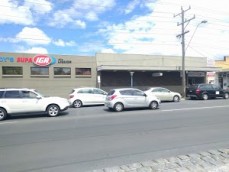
column 223, row 75
column 144, row 71
column 56, row 75
column 49, row 74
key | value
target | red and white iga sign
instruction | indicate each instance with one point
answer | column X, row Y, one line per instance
column 42, row 60
column 39, row 60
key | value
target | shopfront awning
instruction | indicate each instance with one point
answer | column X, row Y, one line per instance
column 155, row 68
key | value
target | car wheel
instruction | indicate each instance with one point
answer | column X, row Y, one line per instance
column 77, row 104
column 53, row 110
column 204, row 96
column 153, row 105
column 226, row 96
column 118, row 107
column 176, row 98
column 3, row 114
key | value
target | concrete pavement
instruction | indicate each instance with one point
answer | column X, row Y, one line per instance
column 209, row 161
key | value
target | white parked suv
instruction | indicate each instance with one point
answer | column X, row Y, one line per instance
column 123, row 98
column 23, row 100
column 87, row 96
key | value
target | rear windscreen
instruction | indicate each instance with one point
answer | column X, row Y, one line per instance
column 111, row 92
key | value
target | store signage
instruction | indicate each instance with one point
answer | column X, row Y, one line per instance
column 196, row 74
column 6, row 59
column 42, row 60
column 39, row 60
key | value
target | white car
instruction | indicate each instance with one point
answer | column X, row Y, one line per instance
column 87, row 96
column 23, row 100
column 164, row 94
column 123, row 98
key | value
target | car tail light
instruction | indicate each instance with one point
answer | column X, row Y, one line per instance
column 112, row 97
column 71, row 96
column 198, row 91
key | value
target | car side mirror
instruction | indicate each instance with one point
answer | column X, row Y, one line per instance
column 39, row 97
column 145, row 94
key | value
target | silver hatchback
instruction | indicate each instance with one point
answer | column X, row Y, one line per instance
column 119, row 99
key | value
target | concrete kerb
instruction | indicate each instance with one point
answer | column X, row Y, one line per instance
column 209, row 161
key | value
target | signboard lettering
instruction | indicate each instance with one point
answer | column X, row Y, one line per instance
column 42, row 60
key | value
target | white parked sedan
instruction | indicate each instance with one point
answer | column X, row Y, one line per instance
column 20, row 101
column 123, row 98
column 87, row 96
column 164, row 94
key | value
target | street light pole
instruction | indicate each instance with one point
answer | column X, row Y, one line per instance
column 202, row 22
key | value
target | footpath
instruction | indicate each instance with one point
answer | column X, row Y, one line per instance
column 209, row 161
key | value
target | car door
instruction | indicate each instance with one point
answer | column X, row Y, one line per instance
column 127, row 97
column 30, row 102
column 13, row 100
column 160, row 93
column 211, row 91
column 139, row 98
column 86, row 96
column 99, row 96
column 166, row 94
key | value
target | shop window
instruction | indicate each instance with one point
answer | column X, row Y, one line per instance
column 12, row 71
column 62, row 71
column 83, row 72
column 39, row 71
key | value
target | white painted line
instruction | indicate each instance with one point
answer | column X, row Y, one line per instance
column 197, row 108
column 7, row 122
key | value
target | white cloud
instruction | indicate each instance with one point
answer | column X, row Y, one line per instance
column 107, row 50
column 79, row 11
column 62, row 18
column 155, row 33
column 131, row 6
column 40, row 7
column 62, row 43
column 23, row 12
column 80, row 24
column 12, row 12
column 33, row 36
column 35, row 50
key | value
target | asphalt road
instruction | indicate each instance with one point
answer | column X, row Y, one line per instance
column 93, row 137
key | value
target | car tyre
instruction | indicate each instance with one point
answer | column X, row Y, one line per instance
column 204, row 96
column 153, row 105
column 176, row 98
column 226, row 96
column 77, row 104
column 53, row 110
column 3, row 114
column 118, row 107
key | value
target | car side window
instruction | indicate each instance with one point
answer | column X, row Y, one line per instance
column 205, row 87
column 28, row 94
column 138, row 93
column 164, row 90
column 1, row 94
column 86, row 91
column 156, row 90
column 126, row 92
column 12, row 94
column 98, row 91
column 216, row 87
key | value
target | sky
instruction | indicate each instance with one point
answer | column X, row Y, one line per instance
column 87, row 27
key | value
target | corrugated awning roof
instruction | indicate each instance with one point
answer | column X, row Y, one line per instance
column 156, row 68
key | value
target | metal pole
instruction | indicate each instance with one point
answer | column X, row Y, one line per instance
column 183, row 55
column 131, row 79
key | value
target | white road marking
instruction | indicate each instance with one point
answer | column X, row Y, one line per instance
column 196, row 108
column 8, row 122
